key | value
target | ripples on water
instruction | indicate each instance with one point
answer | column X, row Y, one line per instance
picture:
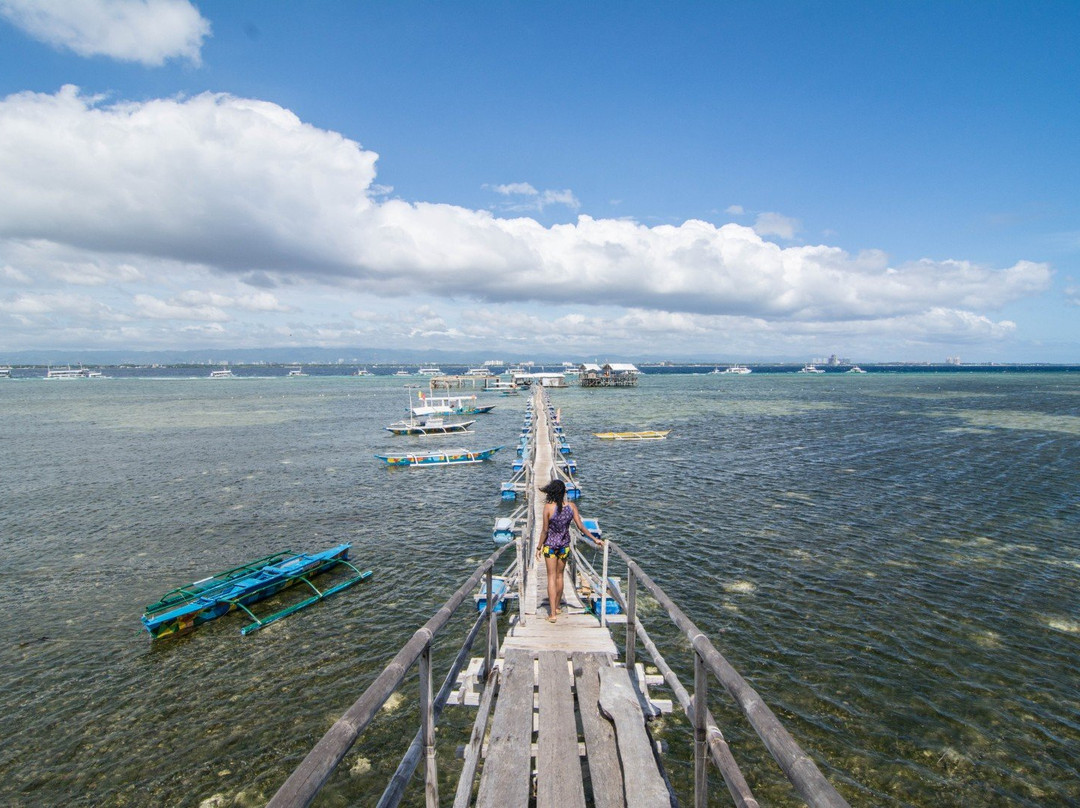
column 892, row 561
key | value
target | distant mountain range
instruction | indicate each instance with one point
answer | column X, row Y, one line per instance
column 307, row 356
column 367, row 356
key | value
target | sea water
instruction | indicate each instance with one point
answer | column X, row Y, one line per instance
column 891, row 560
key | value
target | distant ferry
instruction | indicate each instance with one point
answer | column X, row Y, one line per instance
column 5, row 372
column 809, row 368
column 430, row 372
column 363, row 372
column 403, row 372
column 73, row 373
column 297, row 370
column 224, row 373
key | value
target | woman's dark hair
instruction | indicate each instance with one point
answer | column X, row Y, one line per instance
column 556, row 492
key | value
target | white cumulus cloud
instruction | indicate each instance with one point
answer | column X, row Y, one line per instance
column 527, row 198
column 151, row 194
column 775, row 224
column 145, row 31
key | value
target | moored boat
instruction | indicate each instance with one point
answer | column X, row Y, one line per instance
column 648, row 434
column 182, row 609
column 449, row 405
column 445, row 457
column 429, row 426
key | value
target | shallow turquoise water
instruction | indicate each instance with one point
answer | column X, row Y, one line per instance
column 891, row 560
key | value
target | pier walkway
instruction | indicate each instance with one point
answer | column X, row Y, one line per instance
column 555, row 677
column 560, row 722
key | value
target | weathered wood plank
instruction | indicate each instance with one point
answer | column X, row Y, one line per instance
column 605, row 773
column 506, row 775
column 558, row 766
column 463, row 795
column 642, row 782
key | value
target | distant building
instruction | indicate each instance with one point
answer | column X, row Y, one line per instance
column 610, row 375
column 521, row 378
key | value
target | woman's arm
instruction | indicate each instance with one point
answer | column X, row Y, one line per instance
column 543, row 529
column 581, row 526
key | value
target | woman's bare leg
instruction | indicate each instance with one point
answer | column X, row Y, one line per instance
column 554, row 583
column 560, row 568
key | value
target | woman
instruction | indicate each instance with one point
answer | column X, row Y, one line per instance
column 555, row 541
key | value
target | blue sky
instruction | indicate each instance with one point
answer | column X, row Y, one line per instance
column 721, row 181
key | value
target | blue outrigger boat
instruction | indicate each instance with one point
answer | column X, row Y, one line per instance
column 186, row 607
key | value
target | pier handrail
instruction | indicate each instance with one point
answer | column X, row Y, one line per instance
column 797, row 766
column 315, row 769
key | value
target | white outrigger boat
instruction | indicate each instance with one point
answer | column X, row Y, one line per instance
column 449, row 405
column 429, row 426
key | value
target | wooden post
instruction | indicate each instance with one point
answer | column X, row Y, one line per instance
column 603, row 591
column 523, row 572
column 427, row 723
column 629, row 653
column 701, row 746
column 492, row 641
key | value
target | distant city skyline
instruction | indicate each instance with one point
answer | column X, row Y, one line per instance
column 773, row 181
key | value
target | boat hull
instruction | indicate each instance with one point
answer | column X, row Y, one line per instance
column 419, row 429
column 647, row 435
column 186, row 608
column 451, row 457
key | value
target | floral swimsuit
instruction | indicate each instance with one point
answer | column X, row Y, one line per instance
column 558, row 535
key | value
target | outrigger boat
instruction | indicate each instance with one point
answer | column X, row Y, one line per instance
column 186, row 607
column 650, row 434
column 429, row 426
column 447, row 457
column 450, row 405
column 426, row 423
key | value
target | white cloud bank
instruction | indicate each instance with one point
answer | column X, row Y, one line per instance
column 243, row 189
column 146, row 31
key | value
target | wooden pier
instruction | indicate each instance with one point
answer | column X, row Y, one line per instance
column 561, row 721
column 473, row 381
column 555, row 676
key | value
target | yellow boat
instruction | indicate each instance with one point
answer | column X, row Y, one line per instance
column 650, row 434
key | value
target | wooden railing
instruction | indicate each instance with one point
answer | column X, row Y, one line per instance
column 306, row 780
column 796, row 765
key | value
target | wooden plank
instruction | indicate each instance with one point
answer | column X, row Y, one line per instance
column 558, row 766
column 605, row 773
column 505, row 779
column 463, row 796
column 642, row 782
